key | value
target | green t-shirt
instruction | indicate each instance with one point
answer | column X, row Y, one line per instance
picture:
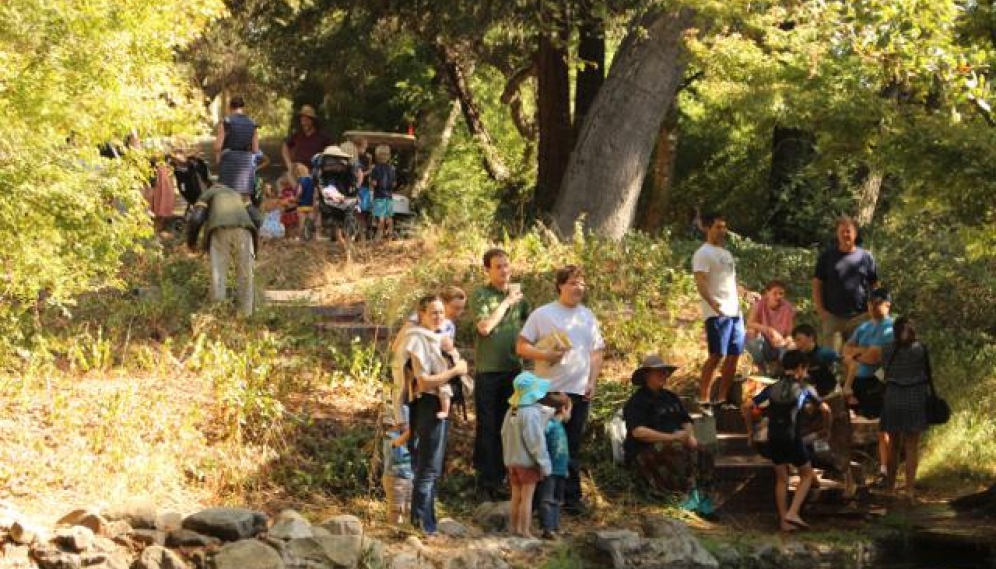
column 496, row 351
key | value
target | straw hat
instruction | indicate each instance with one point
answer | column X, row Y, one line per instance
column 307, row 111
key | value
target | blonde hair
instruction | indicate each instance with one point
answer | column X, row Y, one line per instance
column 300, row 170
column 451, row 293
column 349, row 148
column 382, row 153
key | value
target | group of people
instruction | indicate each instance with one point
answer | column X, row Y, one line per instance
column 324, row 186
column 529, row 424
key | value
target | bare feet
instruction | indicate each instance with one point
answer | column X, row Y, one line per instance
column 795, row 521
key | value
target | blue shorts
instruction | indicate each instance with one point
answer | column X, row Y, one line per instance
column 725, row 335
column 383, row 208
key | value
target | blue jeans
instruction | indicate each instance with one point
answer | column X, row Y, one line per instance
column 492, row 390
column 551, row 493
column 762, row 352
column 575, row 430
column 428, row 463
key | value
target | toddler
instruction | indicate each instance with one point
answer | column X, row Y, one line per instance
column 524, row 447
column 288, row 201
column 552, row 488
column 398, row 473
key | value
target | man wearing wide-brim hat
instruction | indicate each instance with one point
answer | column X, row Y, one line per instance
column 305, row 142
column 660, row 439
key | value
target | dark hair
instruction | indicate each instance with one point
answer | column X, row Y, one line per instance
column 846, row 220
column 566, row 273
column 711, row 217
column 904, row 332
column 451, row 293
column 237, row 103
column 555, row 399
column 491, row 254
column 426, row 300
column 805, row 330
column 793, row 359
column 775, row 283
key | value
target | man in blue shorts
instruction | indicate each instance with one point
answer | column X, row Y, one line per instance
column 716, row 281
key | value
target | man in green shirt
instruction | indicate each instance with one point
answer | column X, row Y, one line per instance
column 499, row 311
column 229, row 233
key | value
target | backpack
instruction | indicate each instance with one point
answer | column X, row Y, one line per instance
column 783, row 409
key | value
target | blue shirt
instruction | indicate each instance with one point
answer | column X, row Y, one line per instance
column 397, row 459
column 556, row 445
column 872, row 334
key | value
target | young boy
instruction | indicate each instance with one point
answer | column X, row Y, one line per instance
column 782, row 403
column 398, row 473
column 820, row 359
column 552, row 488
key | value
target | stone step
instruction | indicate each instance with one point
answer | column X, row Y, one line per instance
column 729, row 420
column 293, row 296
column 365, row 332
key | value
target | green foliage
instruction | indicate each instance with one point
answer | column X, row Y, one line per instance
column 75, row 75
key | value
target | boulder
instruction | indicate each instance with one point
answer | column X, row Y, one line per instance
column 229, row 524
column 344, row 524
column 247, row 554
column 25, row 533
column 493, row 516
column 475, row 558
column 409, row 560
column 452, row 528
column 16, row 555
column 337, row 551
column 139, row 513
column 169, row 521
column 48, row 557
column 116, row 529
column 290, row 525
column 148, row 537
column 157, row 557
column 74, row 517
column 75, row 538
column 186, row 538
column 675, row 550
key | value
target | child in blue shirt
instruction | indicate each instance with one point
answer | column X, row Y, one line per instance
column 398, row 473
column 551, row 493
column 382, row 180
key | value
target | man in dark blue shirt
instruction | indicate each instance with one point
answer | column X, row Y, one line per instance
column 844, row 277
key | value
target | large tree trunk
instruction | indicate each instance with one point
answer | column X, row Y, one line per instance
column 609, row 162
column 456, row 79
column 591, row 53
column 871, row 189
column 556, row 132
column 654, row 200
column 438, row 151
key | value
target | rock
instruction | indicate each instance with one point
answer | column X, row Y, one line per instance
column 677, row 550
column 290, row 525
column 229, row 524
column 139, row 513
column 26, row 533
column 475, row 559
column 74, row 517
column 493, row 516
column 15, row 555
column 319, row 531
column 452, row 528
column 156, row 557
column 728, row 556
column 338, row 551
column 409, row 560
column 247, row 554
column 116, row 560
column 76, row 538
column 50, row 557
column 187, row 538
column 116, row 529
column 344, row 524
column 169, row 521
column 148, row 537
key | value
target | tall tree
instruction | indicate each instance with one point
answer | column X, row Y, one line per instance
column 556, row 133
column 609, row 162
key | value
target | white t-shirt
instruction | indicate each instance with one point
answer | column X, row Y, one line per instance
column 570, row 375
column 721, row 278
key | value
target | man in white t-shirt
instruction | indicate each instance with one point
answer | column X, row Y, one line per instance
column 564, row 340
column 716, row 281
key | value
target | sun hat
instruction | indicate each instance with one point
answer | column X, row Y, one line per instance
column 335, row 151
column 307, row 111
column 529, row 388
column 652, row 361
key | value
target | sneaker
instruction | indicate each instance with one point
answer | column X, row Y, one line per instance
column 692, row 502
column 550, row 535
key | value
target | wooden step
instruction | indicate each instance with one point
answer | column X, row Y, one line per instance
column 292, row 296
column 733, row 444
column 355, row 312
column 365, row 332
column 729, row 420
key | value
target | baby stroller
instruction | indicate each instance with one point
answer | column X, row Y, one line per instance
column 337, row 194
